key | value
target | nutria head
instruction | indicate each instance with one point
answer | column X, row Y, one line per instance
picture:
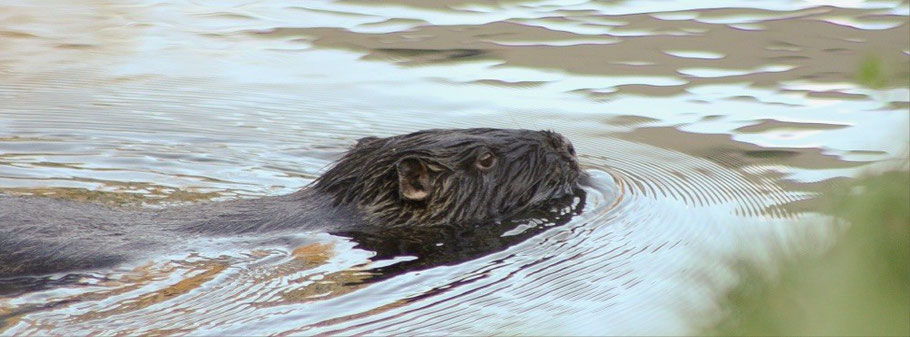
column 451, row 177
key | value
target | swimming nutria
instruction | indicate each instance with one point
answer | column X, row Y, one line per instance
column 432, row 178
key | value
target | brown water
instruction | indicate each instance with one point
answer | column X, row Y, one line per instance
column 708, row 131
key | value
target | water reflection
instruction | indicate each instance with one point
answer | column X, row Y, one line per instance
column 708, row 128
column 434, row 246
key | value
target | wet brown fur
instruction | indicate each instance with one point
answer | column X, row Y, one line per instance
column 531, row 167
column 426, row 179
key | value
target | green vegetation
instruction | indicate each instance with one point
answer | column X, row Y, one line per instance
column 860, row 287
column 871, row 73
column 877, row 72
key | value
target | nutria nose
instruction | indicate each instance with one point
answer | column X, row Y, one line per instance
column 567, row 146
column 561, row 145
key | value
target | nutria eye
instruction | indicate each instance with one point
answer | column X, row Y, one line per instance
column 571, row 149
column 486, row 161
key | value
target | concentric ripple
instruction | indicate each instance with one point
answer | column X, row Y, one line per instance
column 705, row 130
column 655, row 239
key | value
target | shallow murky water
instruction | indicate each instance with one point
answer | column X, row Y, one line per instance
column 708, row 131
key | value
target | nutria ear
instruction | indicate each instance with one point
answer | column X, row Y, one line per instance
column 413, row 179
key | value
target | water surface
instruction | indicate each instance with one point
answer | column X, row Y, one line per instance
column 708, row 131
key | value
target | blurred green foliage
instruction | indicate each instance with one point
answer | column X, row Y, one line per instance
column 871, row 73
column 860, row 287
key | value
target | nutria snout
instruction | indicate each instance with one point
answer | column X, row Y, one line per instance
column 449, row 178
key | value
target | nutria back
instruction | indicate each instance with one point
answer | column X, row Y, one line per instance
column 453, row 178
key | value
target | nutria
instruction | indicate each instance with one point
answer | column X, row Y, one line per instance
column 428, row 179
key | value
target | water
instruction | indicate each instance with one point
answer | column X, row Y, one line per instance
column 708, row 130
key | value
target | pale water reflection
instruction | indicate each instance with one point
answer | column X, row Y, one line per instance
column 707, row 126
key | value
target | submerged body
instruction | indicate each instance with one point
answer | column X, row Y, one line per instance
column 427, row 179
column 43, row 235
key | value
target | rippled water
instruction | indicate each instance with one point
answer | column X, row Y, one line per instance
column 708, row 131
